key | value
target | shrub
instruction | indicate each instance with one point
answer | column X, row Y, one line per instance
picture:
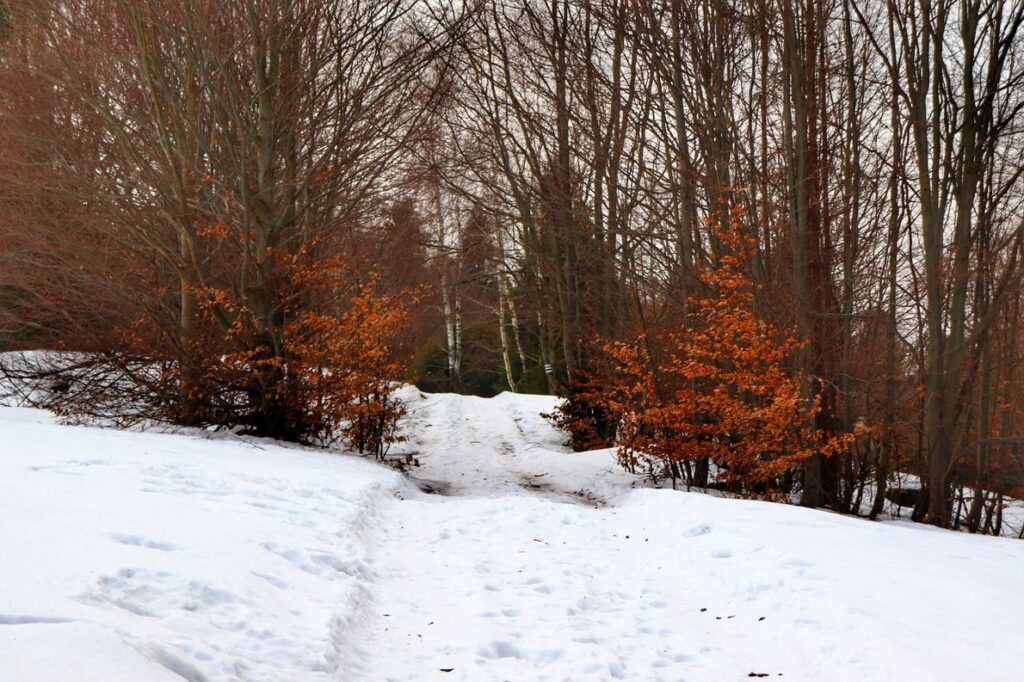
column 718, row 388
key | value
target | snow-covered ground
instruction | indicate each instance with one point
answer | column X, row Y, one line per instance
column 130, row 556
column 139, row 556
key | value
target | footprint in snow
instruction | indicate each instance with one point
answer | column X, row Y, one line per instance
column 500, row 649
column 140, row 541
column 12, row 619
column 273, row 580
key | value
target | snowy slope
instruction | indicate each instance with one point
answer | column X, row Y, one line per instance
column 504, row 580
column 134, row 556
column 675, row 586
column 130, row 556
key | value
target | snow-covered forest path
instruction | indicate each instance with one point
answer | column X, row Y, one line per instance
column 497, row 447
column 532, row 567
column 499, row 572
column 137, row 557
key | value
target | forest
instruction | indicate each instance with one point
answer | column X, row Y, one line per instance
column 766, row 247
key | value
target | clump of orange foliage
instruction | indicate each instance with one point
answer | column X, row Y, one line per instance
column 313, row 356
column 719, row 388
column 349, row 368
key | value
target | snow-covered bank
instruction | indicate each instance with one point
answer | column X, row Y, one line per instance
column 136, row 557
column 133, row 556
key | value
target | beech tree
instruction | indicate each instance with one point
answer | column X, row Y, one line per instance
column 226, row 150
column 719, row 387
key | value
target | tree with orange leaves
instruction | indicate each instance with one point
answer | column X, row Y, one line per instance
column 338, row 366
column 720, row 387
column 349, row 367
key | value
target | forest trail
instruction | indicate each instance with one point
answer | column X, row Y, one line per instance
column 516, row 571
column 150, row 556
column 502, row 446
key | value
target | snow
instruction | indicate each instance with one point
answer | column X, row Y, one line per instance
column 501, row 446
column 144, row 556
column 1012, row 511
column 136, row 556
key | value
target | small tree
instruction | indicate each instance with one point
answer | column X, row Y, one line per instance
column 350, row 367
column 586, row 414
column 720, row 388
column 340, row 364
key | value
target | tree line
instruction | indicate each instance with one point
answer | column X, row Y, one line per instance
column 768, row 246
